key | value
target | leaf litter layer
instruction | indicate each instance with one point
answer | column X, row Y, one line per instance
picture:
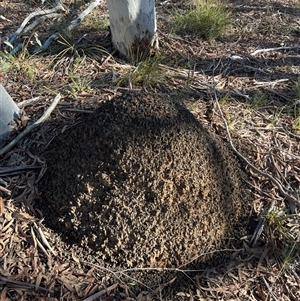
column 258, row 101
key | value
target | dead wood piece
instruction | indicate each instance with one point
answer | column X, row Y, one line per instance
column 43, row 238
column 275, row 49
column 27, row 102
column 31, row 127
column 42, row 12
column 41, row 20
column 73, row 24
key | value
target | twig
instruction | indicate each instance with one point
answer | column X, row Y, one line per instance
column 32, row 126
column 27, row 102
column 275, row 49
column 283, row 193
column 73, row 24
column 115, row 273
column 43, row 238
column 293, row 135
column 270, row 83
column 24, row 284
column 82, row 15
column 7, row 171
column 269, row 289
column 5, row 190
column 78, row 111
column 38, row 243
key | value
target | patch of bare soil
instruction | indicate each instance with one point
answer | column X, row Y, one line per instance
column 144, row 184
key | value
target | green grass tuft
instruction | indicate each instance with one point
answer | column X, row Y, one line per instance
column 297, row 118
column 297, row 89
column 258, row 100
column 147, row 72
column 285, row 243
column 208, row 20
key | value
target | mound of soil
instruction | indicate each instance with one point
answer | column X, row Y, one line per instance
column 143, row 183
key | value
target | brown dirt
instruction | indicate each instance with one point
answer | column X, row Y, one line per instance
column 144, row 184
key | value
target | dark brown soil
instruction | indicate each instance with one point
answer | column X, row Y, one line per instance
column 143, row 183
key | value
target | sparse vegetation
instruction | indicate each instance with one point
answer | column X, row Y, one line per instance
column 101, row 23
column 78, row 84
column 258, row 100
column 148, row 71
column 21, row 64
column 5, row 62
column 297, row 106
column 297, row 117
column 276, row 116
column 285, row 244
column 207, row 19
column 297, row 90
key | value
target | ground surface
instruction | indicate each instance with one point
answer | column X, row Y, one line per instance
column 256, row 91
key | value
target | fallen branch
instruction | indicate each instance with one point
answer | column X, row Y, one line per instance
column 15, row 35
column 32, row 126
column 275, row 49
column 73, row 24
column 41, row 20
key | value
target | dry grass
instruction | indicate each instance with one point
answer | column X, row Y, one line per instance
column 259, row 99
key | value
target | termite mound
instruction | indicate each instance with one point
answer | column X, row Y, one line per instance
column 142, row 183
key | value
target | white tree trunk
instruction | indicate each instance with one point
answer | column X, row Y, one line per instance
column 8, row 112
column 133, row 27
